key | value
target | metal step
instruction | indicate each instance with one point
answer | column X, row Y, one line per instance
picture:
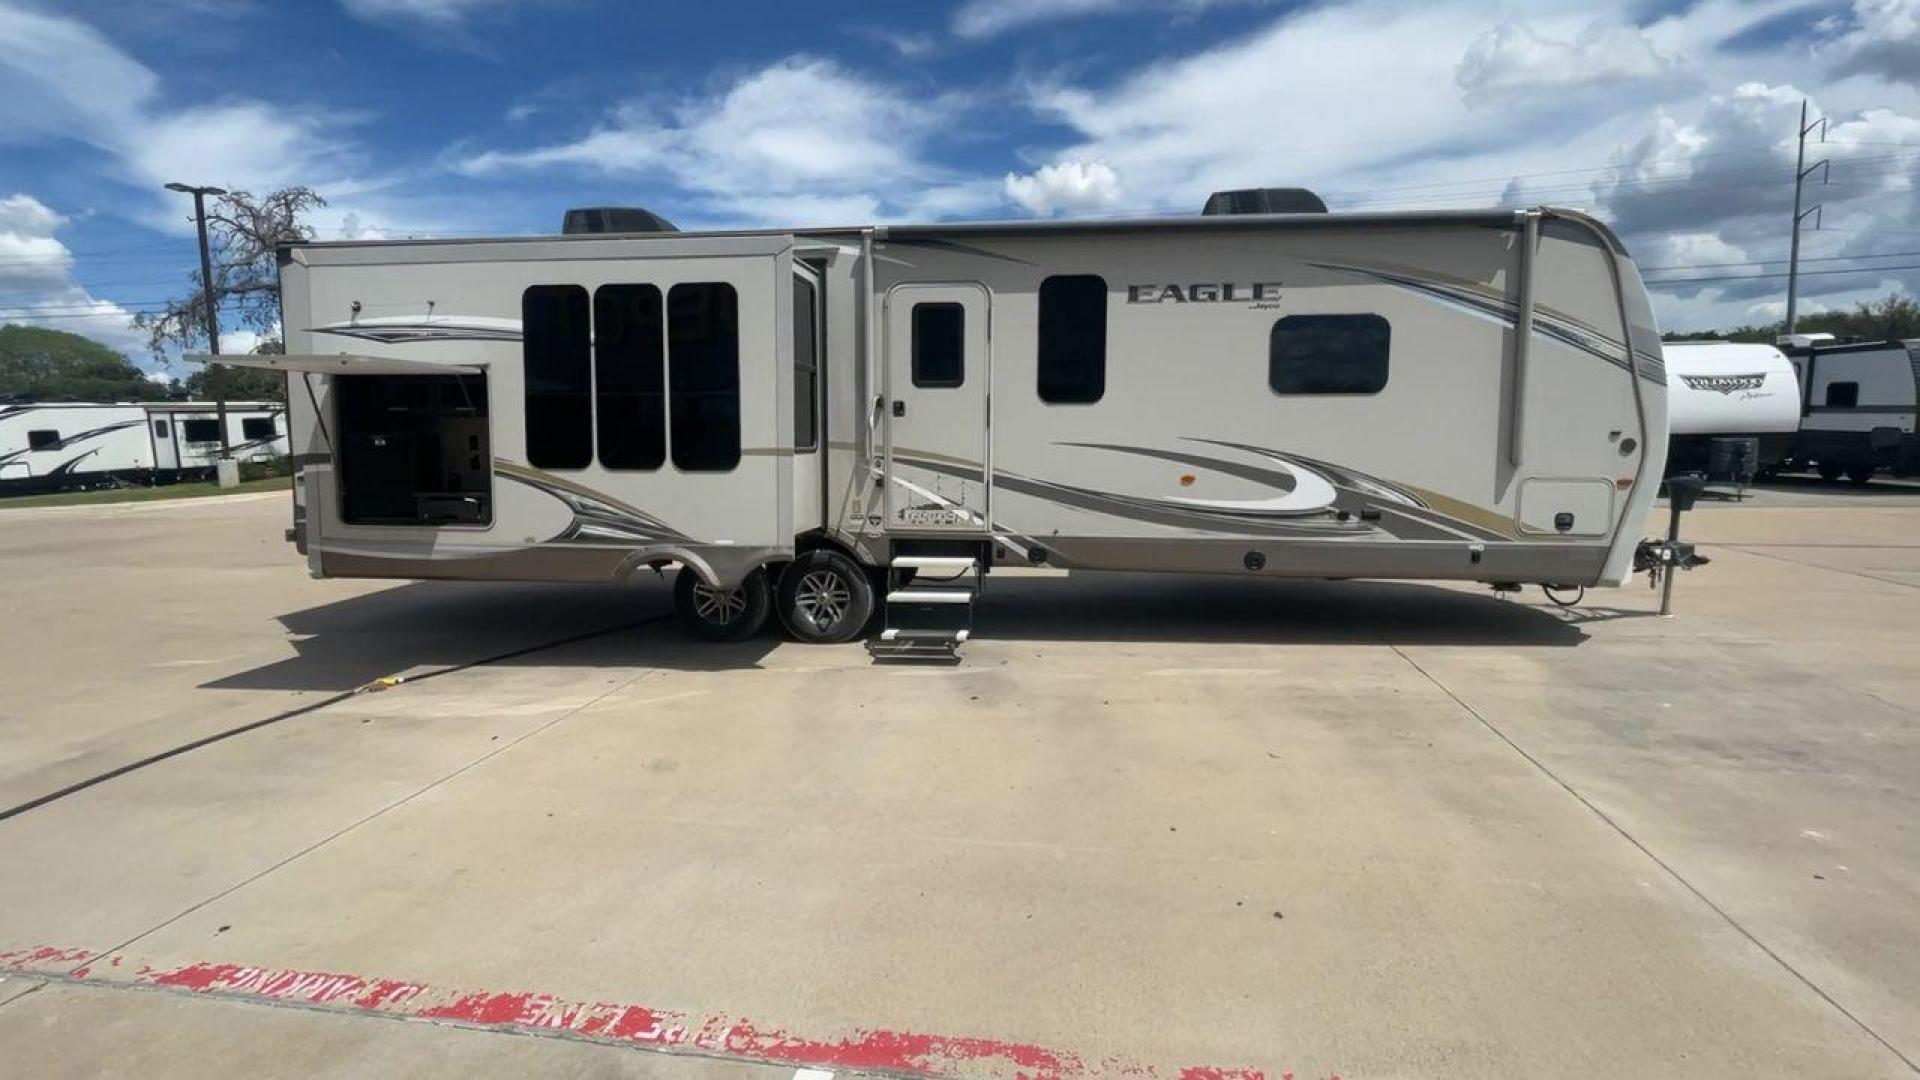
column 930, row 596
column 938, row 564
column 895, row 633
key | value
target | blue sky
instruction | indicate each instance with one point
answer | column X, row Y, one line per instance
column 435, row 117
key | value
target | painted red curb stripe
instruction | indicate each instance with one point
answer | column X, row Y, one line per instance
column 879, row 1050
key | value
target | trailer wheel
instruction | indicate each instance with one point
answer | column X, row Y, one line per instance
column 825, row 597
column 1861, row 473
column 722, row 614
column 1829, row 471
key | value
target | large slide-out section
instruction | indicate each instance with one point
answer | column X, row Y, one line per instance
column 547, row 410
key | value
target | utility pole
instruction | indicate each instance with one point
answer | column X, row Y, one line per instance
column 209, row 302
column 1801, row 170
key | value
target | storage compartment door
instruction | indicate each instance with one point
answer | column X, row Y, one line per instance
column 1572, row 507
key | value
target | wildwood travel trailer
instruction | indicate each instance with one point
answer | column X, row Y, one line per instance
column 53, row 446
column 1733, row 409
column 803, row 420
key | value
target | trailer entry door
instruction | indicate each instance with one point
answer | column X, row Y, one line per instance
column 938, row 377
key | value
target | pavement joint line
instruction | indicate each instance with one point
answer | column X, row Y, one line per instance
column 394, row 805
column 311, row 707
column 1671, row 872
column 1817, row 566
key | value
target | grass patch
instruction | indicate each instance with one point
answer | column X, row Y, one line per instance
column 148, row 494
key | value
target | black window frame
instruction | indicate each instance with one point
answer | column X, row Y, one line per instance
column 635, row 397
column 199, row 423
column 161, row 430
column 250, row 428
column 1301, row 381
column 703, row 370
column 806, row 365
column 558, row 422
column 920, row 328
column 43, row 439
column 1852, row 394
column 1067, row 340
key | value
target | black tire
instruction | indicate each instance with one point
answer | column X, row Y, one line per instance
column 825, row 598
column 1861, row 474
column 734, row 616
column 1829, row 471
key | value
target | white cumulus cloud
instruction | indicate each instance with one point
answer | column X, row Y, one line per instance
column 1514, row 60
column 1070, row 186
column 37, row 287
column 800, row 142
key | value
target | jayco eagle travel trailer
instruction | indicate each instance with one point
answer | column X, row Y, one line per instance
column 789, row 415
column 1727, row 394
column 51, row 446
column 1858, row 403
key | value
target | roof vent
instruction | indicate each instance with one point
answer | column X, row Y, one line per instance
column 1270, row 200
column 614, row 219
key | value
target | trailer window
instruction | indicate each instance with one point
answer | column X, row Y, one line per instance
column 939, row 345
column 200, row 431
column 1328, row 354
column 806, row 364
column 703, row 370
column 159, row 429
column 559, row 384
column 42, row 439
column 1073, row 339
column 258, row 427
column 1843, row 395
column 629, row 376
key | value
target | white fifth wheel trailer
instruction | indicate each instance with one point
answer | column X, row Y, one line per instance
column 53, row 446
column 800, row 419
column 1733, row 408
column 1858, row 405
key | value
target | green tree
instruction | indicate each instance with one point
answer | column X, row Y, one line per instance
column 52, row 365
column 1895, row 317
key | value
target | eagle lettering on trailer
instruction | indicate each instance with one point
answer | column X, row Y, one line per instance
column 1205, row 292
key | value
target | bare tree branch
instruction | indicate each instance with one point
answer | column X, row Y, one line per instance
column 244, row 233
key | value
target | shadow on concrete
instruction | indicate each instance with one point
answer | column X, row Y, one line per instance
column 431, row 625
column 1881, row 487
column 426, row 626
column 1262, row 611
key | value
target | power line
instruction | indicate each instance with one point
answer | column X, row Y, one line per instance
column 1803, row 273
column 1768, row 262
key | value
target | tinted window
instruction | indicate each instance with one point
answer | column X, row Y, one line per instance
column 703, row 365
column 559, row 395
column 160, row 429
column 200, row 430
column 1328, row 354
column 806, row 365
column 939, row 345
column 1845, row 395
column 43, row 438
column 257, row 427
column 630, row 376
column 1073, row 339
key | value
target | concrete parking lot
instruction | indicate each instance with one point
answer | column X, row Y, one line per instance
column 1189, row 828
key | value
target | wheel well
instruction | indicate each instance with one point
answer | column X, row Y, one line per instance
column 819, row 539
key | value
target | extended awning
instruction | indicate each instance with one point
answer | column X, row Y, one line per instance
column 339, row 364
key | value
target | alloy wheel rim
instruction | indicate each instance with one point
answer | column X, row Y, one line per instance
column 719, row 606
column 823, row 598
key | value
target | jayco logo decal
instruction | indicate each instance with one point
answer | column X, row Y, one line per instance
column 1724, row 384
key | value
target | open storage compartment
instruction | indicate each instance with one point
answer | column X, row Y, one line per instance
column 414, row 450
